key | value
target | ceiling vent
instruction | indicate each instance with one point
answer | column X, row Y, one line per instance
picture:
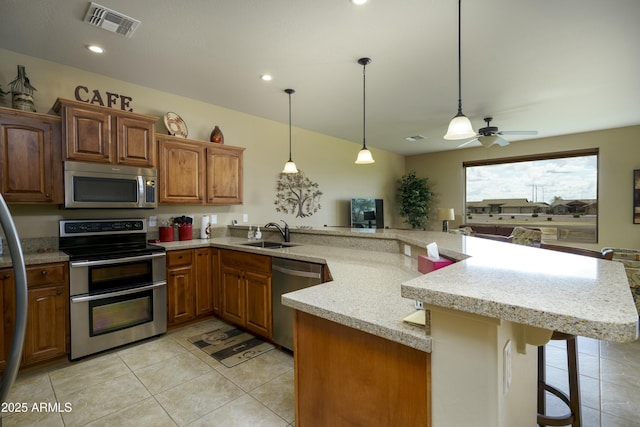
column 414, row 138
column 110, row 20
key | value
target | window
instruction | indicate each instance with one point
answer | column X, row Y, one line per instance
column 556, row 192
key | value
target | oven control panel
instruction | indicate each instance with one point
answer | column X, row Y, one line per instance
column 76, row 227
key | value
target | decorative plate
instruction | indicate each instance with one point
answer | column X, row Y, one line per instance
column 175, row 125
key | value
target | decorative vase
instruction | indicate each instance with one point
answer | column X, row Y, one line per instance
column 22, row 92
column 217, row 136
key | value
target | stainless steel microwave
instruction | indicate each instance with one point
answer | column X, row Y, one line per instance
column 98, row 185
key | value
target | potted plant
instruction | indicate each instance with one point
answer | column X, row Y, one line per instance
column 415, row 198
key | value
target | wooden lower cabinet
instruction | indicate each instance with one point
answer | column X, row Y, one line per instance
column 245, row 291
column 180, row 287
column 47, row 328
column 204, row 269
column 348, row 377
column 191, row 279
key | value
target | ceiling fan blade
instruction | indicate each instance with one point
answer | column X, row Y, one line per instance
column 468, row 142
column 518, row 132
column 501, row 141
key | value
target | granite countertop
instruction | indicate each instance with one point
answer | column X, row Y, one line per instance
column 373, row 291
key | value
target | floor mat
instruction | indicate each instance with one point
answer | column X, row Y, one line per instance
column 230, row 345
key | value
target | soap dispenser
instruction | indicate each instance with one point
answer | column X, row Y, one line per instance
column 250, row 233
column 258, row 234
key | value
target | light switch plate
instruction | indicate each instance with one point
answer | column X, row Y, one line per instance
column 214, row 219
column 245, row 217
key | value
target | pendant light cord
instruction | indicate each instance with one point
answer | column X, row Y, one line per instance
column 290, row 126
column 364, row 104
column 459, row 59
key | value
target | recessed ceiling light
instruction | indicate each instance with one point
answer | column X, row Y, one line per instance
column 95, row 49
column 358, row 2
column 414, row 138
column 266, row 77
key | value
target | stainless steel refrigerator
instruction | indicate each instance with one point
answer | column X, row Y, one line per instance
column 17, row 257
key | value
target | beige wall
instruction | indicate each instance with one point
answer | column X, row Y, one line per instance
column 619, row 156
column 325, row 160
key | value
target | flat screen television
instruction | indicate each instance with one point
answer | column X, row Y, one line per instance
column 367, row 213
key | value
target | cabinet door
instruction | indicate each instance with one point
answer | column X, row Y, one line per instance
column 232, row 295
column 136, row 143
column 181, row 169
column 45, row 337
column 224, row 175
column 258, row 306
column 180, row 295
column 88, row 134
column 215, row 280
column 203, row 276
column 30, row 159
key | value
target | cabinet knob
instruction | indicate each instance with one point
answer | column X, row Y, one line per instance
column 58, row 292
column 47, row 195
column 44, row 272
column 7, row 276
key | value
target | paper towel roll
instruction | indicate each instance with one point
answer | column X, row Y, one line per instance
column 204, row 224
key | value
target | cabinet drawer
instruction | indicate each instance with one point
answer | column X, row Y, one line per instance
column 45, row 274
column 246, row 261
column 183, row 257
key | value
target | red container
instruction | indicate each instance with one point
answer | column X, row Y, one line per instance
column 185, row 232
column 166, row 234
column 427, row 264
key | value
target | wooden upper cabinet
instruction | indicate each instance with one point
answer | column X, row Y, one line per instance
column 136, row 145
column 30, row 157
column 224, row 175
column 195, row 172
column 105, row 135
column 181, row 171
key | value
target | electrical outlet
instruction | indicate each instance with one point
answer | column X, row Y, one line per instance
column 214, row 219
column 506, row 375
column 245, row 217
column 407, row 250
column 153, row 221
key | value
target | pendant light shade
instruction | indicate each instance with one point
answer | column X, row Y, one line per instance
column 460, row 126
column 364, row 155
column 290, row 166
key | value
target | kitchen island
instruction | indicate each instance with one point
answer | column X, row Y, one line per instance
column 487, row 314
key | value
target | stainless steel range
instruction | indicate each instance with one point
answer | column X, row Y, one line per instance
column 118, row 286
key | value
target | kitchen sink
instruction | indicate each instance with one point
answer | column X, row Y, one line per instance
column 268, row 245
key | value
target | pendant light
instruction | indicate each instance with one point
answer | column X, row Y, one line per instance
column 290, row 167
column 460, row 126
column 364, row 155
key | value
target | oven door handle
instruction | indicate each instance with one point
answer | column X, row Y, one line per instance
column 75, row 264
column 86, row 298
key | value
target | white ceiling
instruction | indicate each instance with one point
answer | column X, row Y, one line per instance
column 555, row 66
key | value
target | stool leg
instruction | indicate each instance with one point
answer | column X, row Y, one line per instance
column 541, row 379
column 574, row 381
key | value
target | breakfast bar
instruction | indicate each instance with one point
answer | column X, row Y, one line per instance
column 486, row 314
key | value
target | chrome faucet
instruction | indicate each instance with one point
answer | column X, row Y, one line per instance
column 284, row 231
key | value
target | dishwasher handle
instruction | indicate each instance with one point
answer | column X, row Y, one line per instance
column 298, row 273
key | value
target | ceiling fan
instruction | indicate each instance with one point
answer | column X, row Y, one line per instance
column 490, row 135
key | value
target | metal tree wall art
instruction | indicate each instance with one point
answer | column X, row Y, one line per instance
column 295, row 193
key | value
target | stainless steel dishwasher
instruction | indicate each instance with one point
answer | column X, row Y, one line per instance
column 288, row 276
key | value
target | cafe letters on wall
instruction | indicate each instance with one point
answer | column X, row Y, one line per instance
column 109, row 99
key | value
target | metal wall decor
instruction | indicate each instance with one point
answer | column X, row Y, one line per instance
column 297, row 194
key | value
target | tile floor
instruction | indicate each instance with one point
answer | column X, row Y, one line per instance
column 167, row 381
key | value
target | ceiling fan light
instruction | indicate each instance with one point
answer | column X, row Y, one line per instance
column 364, row 157
column 488, row 141
column 290, row 167
column 460, row 128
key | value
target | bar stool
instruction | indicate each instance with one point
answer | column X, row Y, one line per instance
column 572, row 400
